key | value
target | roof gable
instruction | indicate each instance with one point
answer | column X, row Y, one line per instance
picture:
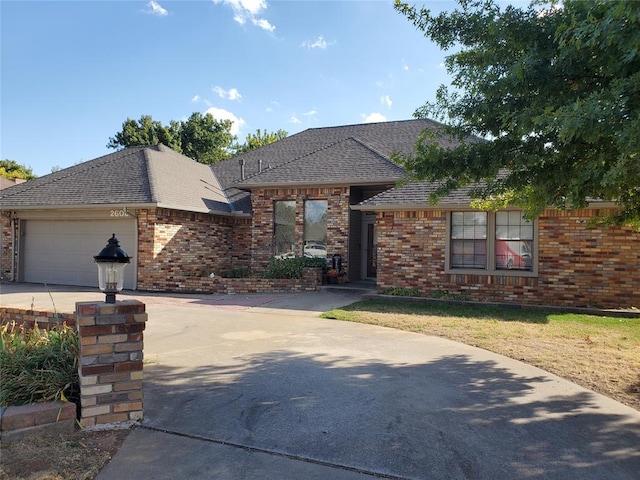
column 154, row 176
column 348, row 161
column 313, row 148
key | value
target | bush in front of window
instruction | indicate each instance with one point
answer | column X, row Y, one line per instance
column 292, row 267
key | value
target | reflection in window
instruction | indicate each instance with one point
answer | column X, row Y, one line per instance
column 315, row 228
column 514, row 241
column 284, row 226
column 469, row 240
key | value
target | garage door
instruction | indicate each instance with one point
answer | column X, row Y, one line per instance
column 60, row 252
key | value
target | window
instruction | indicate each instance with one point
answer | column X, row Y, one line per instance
column 490, row 241
column 284, row 226
column 315, row 228
column 514, row 241
column 468, row 240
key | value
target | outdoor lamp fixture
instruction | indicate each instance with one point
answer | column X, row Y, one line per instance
column 111, row 262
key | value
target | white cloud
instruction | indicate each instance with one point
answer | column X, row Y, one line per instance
column 374, row 117
column 386, row 100
column 405, row 67
column 244, row 10
column 154, row 8
column 221, row 114
column 196, row 98
column 263, row 24
column 294, row 119
column 231, row 94
column 319, row 42
column 310, row 113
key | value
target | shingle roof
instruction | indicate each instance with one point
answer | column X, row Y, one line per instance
column 348, row 161
column 154, row 175
column 347, row 155
column 415, row 195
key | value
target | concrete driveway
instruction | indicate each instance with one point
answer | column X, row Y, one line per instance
column 261, row 388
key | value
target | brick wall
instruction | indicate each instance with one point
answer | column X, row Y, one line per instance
column 174, row 244
column 29, row 318
column 110, row 338
column 5, row 253
column 311, row 278
column 578, row 266
column 262, row 226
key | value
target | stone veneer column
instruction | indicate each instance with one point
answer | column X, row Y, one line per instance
column 110, row 343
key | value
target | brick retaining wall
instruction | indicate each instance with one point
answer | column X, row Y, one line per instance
column 311, row 278
column 29, row 318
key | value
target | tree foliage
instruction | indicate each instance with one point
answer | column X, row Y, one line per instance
column 206, row 139
column 260, row 139
column 554, row 88
column 200, row 137
column 12, row 169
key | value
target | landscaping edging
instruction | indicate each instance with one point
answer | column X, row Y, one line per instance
column 17, row 423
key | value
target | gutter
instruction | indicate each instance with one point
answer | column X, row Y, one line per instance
column 457, row 206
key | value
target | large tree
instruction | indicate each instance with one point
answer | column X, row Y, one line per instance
column 200, row 137
column 260, row 139
column 553, row 88
column 12, row 169
column 206, row 139
column 146, row 131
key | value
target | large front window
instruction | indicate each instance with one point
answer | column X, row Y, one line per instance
column 315, row 228
column 491, row 241
column 284, row 227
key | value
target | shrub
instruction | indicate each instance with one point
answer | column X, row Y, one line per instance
column 292, row 267
column 401, row 292
column 38, row 365
column 242, row 272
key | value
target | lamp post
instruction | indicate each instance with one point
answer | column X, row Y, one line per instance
column 111, row 262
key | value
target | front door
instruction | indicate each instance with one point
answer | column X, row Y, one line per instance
column 370, row 243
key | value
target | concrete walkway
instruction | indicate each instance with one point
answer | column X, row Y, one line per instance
column 261, row 388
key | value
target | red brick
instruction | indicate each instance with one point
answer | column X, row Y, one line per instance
column 127, row 366
column 96, row 369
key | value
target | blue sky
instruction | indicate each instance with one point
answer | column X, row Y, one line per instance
column 74, row 71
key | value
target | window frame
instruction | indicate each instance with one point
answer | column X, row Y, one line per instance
column 490, row 268
column 275, row 224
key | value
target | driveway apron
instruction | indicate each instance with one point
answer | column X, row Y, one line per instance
column 255, row 389
column 273, row 392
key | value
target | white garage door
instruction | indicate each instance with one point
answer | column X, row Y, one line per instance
column 60, row 252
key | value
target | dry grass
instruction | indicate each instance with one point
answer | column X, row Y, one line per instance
column 77, row 456
column 599, row 353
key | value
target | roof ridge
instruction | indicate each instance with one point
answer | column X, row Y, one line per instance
column 369, row 147
column 80, row 168
column 406, row 120
column 150, row 175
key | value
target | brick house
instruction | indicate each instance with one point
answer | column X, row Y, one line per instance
column 321, row 192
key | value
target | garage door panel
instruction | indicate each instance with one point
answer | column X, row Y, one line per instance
column 61, row 252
